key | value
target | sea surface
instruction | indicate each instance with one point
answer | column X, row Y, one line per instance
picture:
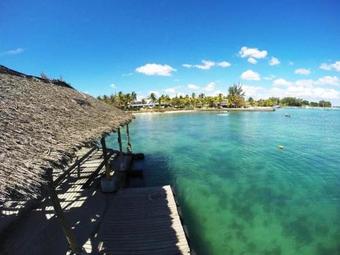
column 249, row 182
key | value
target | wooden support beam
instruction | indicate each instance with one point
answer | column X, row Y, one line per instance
column 105, row 157
column 120, row 141
column 129, row 147
column 95, row 173
column 78, row 168
column 71, row 168
column 70, row 237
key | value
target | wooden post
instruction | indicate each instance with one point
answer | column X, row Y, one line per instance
column 106, row 162
column 129, row 147
column 78, row 168
column 120, row 141
column 70, row 237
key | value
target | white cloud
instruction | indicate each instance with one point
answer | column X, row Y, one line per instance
column 269, row 78
column 309, row 89
column 223, row 64
column 155, row 69
column 291, row 63
column 173, row 91
column 306, row 89
column 193, row 87
column 246, row 52
column 322, row 81
column 250, row 75
column 256, row 92
column 210, row 87
column 113, row 86
column 331, row 67
column 281, row 82
column 274, row 61
column 302, row 71
column 329, row 80
column 170, row 90
column 252, row 61
column 13, row 51
column 208, row 64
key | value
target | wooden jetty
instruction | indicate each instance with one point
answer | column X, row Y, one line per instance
column 48, row 207
column 143, row 221
column 131, row 221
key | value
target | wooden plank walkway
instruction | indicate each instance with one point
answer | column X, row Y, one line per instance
column 131, row 221
column 142, row 221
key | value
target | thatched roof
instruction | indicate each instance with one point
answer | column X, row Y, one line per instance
column 42, row 124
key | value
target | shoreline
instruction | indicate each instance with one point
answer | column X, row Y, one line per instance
column 249, row 109
column 163, row 111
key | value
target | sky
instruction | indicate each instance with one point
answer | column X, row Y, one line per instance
column 273, row 48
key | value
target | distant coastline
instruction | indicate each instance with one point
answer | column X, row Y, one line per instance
column 233, row 101
column 247, row 109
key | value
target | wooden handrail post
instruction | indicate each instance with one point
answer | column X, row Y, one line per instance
column 70, row 237
column 129, row 147
column 106, row 162
column 120, row 141
column 78, row 168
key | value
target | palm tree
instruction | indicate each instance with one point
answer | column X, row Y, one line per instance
column 236, row 96
column 220, row 99
column 251, row 101
column 153, row 97
column 161, row 99
column 133, row 96
column 236, row 89
column 127, row 100
column 193, row 99
column 120, row 99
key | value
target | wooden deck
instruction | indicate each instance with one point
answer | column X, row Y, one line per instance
column 142, row 221
column 131, row 221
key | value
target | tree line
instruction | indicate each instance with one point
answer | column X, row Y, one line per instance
column 235, row 98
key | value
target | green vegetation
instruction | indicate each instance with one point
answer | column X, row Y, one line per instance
column 236, row 96
column 234, row 99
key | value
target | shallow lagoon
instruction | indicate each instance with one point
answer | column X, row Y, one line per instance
column 240, row 192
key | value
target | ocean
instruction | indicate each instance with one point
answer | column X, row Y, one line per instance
column 249, row 182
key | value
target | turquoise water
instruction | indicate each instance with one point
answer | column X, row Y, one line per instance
column 240, row 193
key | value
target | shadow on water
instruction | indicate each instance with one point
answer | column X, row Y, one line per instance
column 158, row 172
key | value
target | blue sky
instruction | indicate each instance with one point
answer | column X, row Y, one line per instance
column 274, row 48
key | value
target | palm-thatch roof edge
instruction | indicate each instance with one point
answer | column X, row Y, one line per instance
column 42, row 125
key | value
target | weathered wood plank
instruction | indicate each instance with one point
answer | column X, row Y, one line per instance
column 143, row 221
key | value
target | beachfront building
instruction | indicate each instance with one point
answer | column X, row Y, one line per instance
column 53, row 158
column 147, row 105
column 142, row 104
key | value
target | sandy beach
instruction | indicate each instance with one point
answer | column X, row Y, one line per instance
column 163, row 111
